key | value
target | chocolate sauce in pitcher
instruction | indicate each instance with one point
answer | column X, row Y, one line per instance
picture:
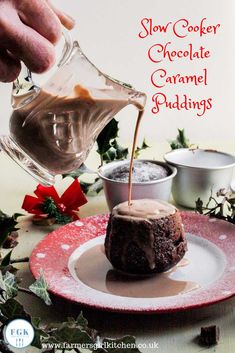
column 58, row 131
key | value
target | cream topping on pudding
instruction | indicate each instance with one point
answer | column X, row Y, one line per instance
column 145, row 208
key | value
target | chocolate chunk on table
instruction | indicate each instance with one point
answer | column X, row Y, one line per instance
column 209, row 335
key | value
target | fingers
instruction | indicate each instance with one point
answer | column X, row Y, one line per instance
column 29, row 46
column 28, row 31
column 67, row 21
column 9, row 67
column 38, row 15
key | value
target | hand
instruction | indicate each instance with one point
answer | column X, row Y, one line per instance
column 29, row 29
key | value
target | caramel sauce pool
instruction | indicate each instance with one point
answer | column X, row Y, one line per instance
column 94, row 270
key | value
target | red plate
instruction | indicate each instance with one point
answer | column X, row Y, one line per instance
column 211, row 257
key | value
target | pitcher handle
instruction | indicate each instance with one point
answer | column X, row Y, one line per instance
column 24, row 82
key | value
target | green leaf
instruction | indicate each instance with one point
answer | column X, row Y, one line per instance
column 143, row 147
column 181, row 141
column 40, row 334
column 71, row 335
column 8, row 285
column 7, row 225
column 96, row 187
column 108, row 134
column 221, row 206
column 121, row 152
column 39, row 288
column 7, row 259
column 199, row 206
column 12, row 309
column 92, row 188
column 116, row 152
column 127, row 342
column 8, row 268
column 49, row 207
column 82, row 321
column 4, row 347
column 110, row 155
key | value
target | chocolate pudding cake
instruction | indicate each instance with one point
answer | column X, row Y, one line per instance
column 146, row 237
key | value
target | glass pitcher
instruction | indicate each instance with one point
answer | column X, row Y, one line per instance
column 53, row 127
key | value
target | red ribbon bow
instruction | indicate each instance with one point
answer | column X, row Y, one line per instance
column 67, row 204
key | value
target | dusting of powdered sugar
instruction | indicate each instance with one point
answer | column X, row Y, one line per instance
column 143, row 171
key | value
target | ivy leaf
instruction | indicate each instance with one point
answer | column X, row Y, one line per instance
column 39, row 288
column 71, row 335
column 4, row 347
column 218, row 208
column 73, row 331
column 108, row 134
column 12, row 309
column 8, row 268
column 39, row 333
column 143, row 147
column 8, row 285
column 181, row 141
column 82, row 321
column 127, row 342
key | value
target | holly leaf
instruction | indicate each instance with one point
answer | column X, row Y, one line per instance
column 7, row 259
column 121, row 152
column 143, row 147
column 110, row 155
column 8, row 285
column 108, row 134
column 39, row 288
column 91, row 188
column 181, row 141
column 127, row 344
column 96, row 187
column 116, row 152
column 7, row 225
column 49, row 207
column 199, row 206
column 11, row 241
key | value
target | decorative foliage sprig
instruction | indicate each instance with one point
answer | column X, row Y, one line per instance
column 109, row 150
column 50, row 208
column 65, row 334
column 223, row 207
column 181, row 141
